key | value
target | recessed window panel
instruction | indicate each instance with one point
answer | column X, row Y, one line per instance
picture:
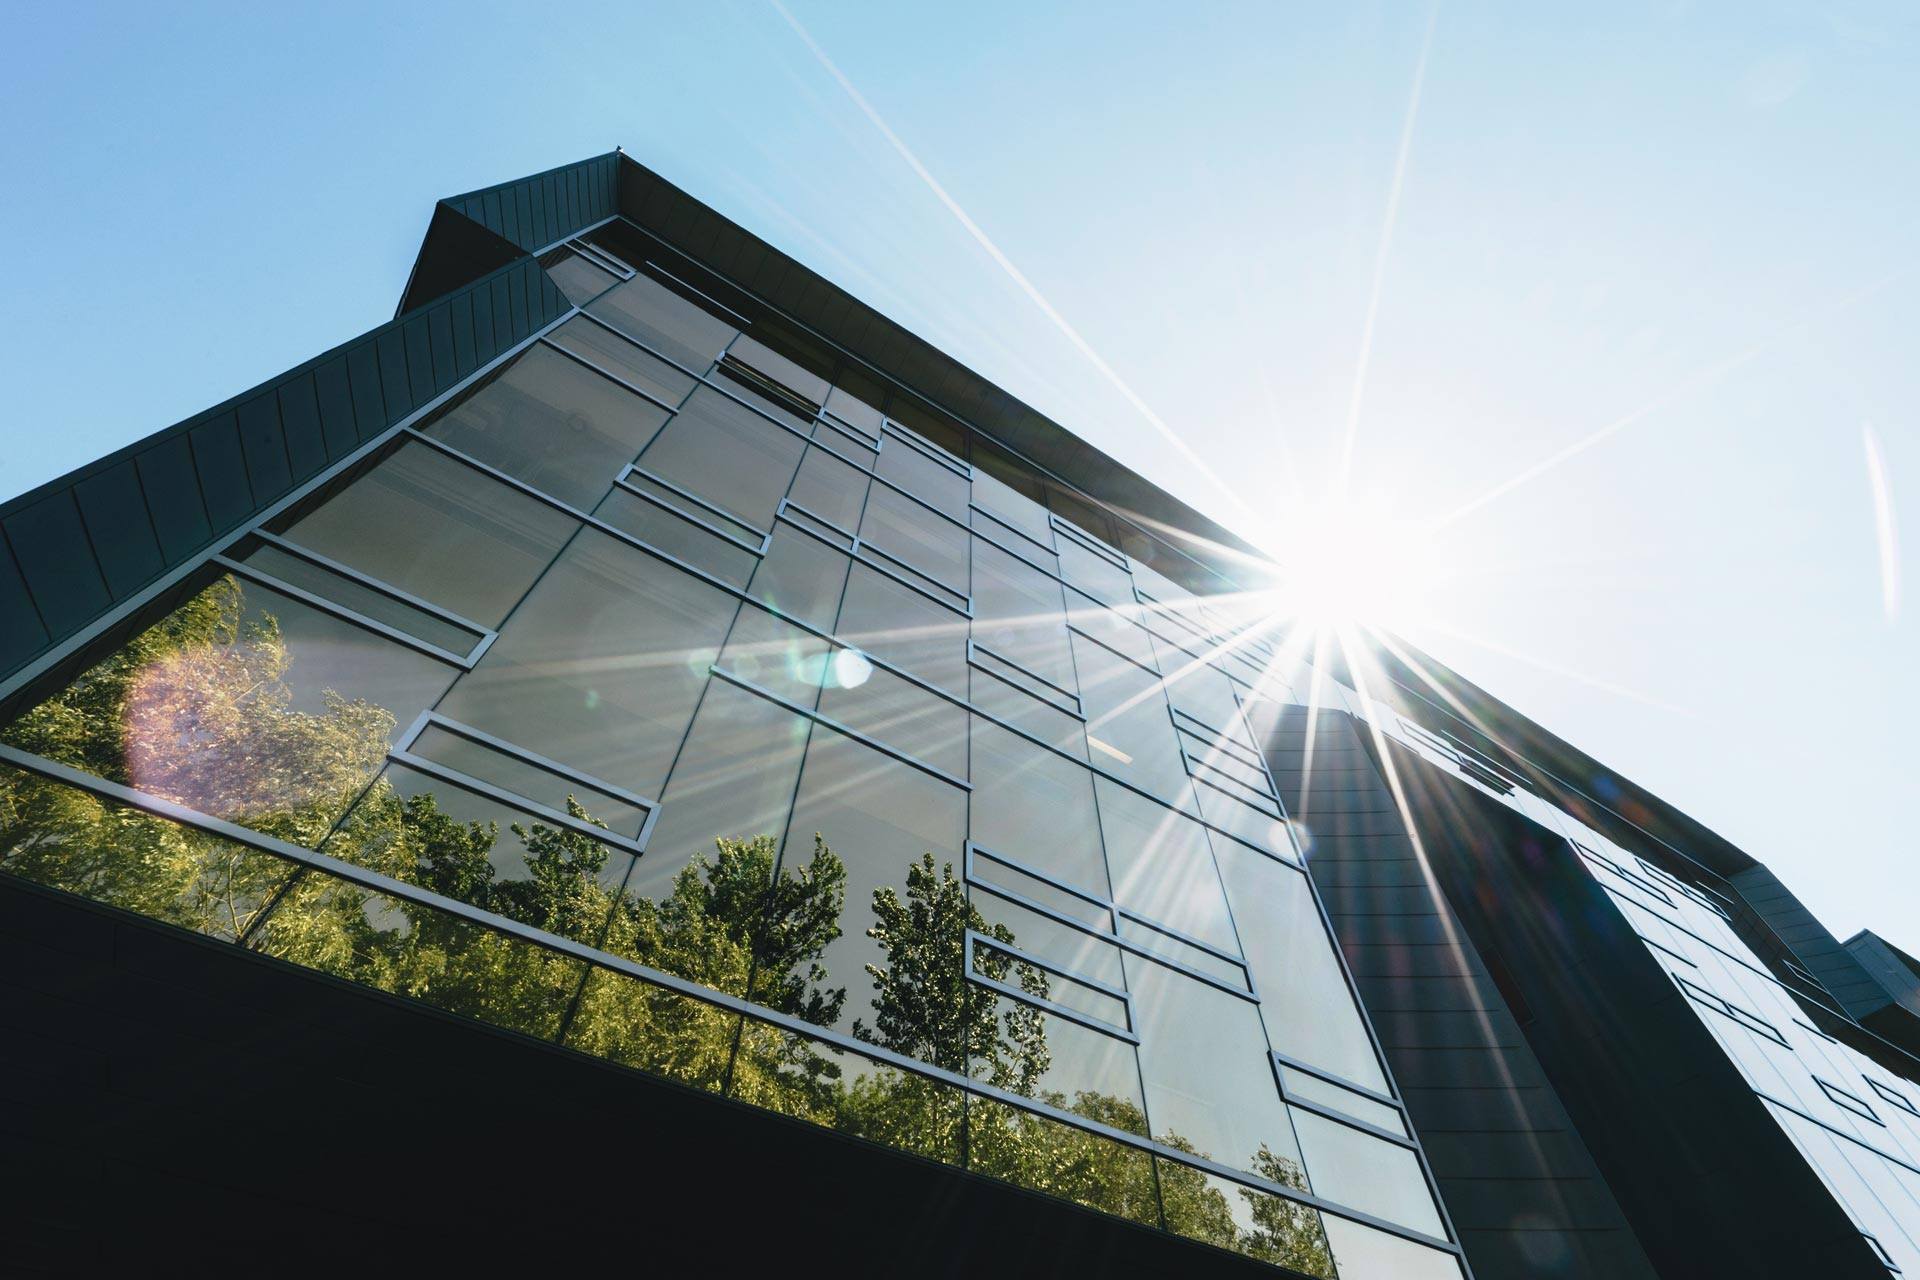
column 443, row 837
column 1019, row 613
column 1041, row 1054
column 580, row 280
column 996, row 870
column 728, row 454
column 1062, row 948
column 244, row 704
column 855, row 412
column 1306, row 1087
column 899, row 835
column 601, row 666
column 1036, row 808
column 1011, row 507
column 1094, row 574
column 1208, row 1081
column 444, row 744
column 830, row 489
column 1310, row 1012
column 1115, row 628
column 655, row 315
column 349, row 592
column 778, row 369
column 1366, row 1173
column 886, row 617
column 1162, row 866
column 1129, row 731
column 440, row 529
column 916, row 471
column 668, row 521
column 554, row 424
column 631, row 362
column 910, row 533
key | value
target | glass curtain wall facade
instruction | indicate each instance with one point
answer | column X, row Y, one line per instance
column 1856, row 1123
column 693, row 699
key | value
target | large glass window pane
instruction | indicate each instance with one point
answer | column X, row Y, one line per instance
column 780, row 657
column 501, row 768
column 728, row 454
column 581, row 281
column 1207, row 1074
column 908, row 532
column 662, row 319
column 70, row 839
column 830, row 489
column 1162, row 867
column 1309, row 1010
column 1011, row 493
column 420, row 952
column 1220, row 1212
column 925, row 477
column 897, row 832
column 1046, row 1155
column 801, row 577
column 1366, row 1173
column 778, row 369
column 1036, row 808
column 418, row 828
column 824, row 1084
column 891, row 619
column 666, row 520
column 1095, row 574
column 1363, row 1253
column 1018, row 612
column 895, row 711
column 1196, row 688
column 304, row 574
column 855, row 412
column 1115, row 628
column 555, row 424
column 637, row 1024
column 616, row 355
column 1129, row 730
column 436, row 527
column 602, row 665
column 244, row 704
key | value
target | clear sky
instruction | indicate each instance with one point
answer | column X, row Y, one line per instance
column 1657, row 264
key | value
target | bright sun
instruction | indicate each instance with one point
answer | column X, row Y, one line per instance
column 1349, row 563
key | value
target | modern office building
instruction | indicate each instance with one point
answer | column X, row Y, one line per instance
column 643, row 754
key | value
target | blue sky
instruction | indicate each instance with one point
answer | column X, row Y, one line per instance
column 1672, row 246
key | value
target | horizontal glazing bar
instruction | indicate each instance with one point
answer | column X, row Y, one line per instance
column 241, row 569
column 372, row 583
column 846, row 730
column 533, row 808
column 978, row 941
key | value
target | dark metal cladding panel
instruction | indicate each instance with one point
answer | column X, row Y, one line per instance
column 116, row 518
column 173, row 498
column 440, row 338
column 334, row 391
column 369, row 401
column 264, row 447
column 223, row 471
column 419, row 359
column 50, row 544
column 300, row 423
column 517, row 312
column 21, row 635
column 460, row 321
column 486, row 343
column 391, row 348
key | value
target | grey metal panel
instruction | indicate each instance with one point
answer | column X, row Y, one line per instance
column 390, row 348
column 265, row 450
column 50, row 544
column 334, row 390
column 369, row 400
column 21, row 635
column 173, row 497
column 419, row 359
column 115, row 513
column 300, row 425
column 223, row 471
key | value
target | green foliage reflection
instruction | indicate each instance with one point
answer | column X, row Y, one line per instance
column 197, row 709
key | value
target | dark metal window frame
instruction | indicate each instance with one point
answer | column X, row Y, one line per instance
column 1848, row 1102
column 625, row 482
column 976, row 940
column 1892, row 1096
column 1753, row 1022
column 1115, row 913
column 1071, row 705
column 1278, row 1060
column 402, row 753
